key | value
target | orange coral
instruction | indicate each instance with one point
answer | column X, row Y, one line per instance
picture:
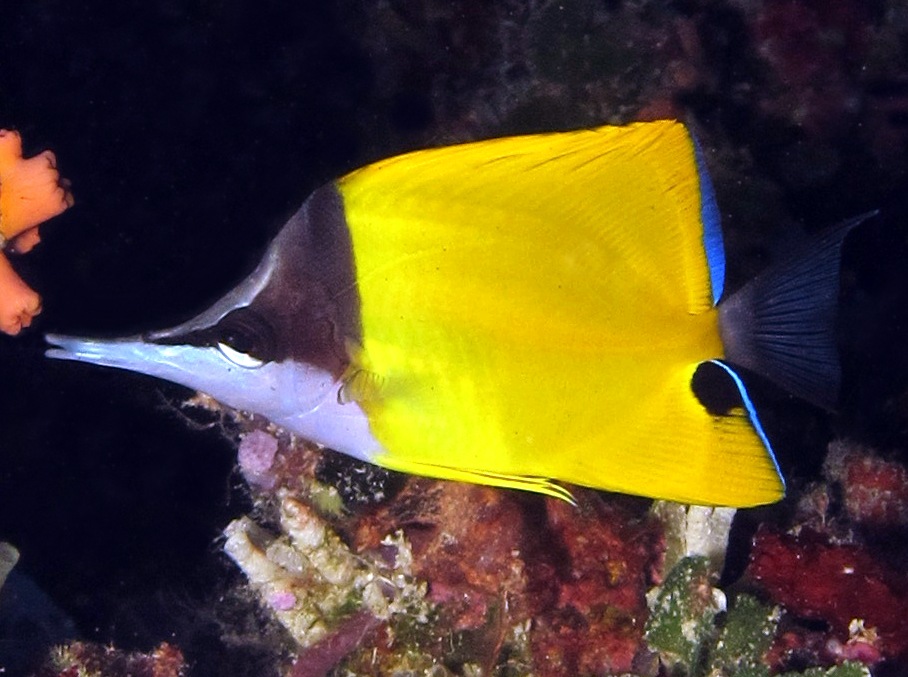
column 31, row 192
column 19, row 303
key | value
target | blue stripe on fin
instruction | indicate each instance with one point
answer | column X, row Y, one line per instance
column 712, row 225
column 752, row 415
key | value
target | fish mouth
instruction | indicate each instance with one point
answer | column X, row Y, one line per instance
column 194, row 367
column 109, row 352
column 132, row 353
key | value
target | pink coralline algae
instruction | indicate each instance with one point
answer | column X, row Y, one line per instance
column 859, row 596
column 256, row 458
column 282, row 601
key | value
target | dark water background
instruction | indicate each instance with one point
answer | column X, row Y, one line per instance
column 190, row 130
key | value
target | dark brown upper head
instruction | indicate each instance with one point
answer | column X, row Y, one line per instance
column 301, row 302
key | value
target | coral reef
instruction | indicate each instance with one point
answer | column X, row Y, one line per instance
column 503, row 583
column 692, row 636
column 856, row 594
column 695, row 530
column 468, row 579
column 318, row 589
column 841, row 562
column 31, row 192
column 814, row 52
column 451, row 72
column 443, row 578
column 874, row 490
column 81, row 659
column 683, row 616
column 593, row 623
column 744, row 639
column 255, row 457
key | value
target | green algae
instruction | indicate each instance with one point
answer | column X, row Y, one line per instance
column 744, row 639
column 694, row 638
column 682, row 615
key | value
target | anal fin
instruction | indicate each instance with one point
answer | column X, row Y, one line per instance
column 539, row 485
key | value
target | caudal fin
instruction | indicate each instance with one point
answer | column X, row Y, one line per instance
column 781, row 324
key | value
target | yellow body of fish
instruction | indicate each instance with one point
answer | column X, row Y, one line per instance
column 534, row 308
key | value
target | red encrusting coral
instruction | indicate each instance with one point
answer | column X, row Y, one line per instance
column 467, row 542
column 841, row 562
column 861, row 598
column 497, row 560
column 611, row 555
column 874, row 490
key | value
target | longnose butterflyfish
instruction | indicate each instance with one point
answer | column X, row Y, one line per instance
column 523, row 312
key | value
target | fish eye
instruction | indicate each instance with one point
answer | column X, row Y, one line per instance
column 244, row 337
column 239, row 359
